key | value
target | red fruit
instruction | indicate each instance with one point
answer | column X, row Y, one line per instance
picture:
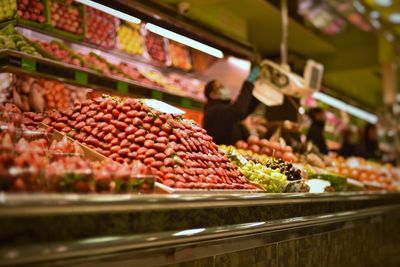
column 134, row 147
column 137, row 122
column 115, row 149
column 172, row 138
column 160, row 156
column 151, row 136
column 253, row 140
column 150, row 152
column 121, row 135
column 162, row 140
column 140, row 132
column 169, row 162
column 241, row 144
column 131, row 137
column 141, row 114
column 146, row 126
column 132, row 113
column 155, row 130
column 148, row 119
column 123, row 152
column 109, row 128
column 160, row 146
column 119, row 124
column 254, row 148
column 139, row 140
column 115, row 113
column 107, row 117
column 148, row 143
column 149, row 161
column 142, row 150
column 125, row 143
column 130, row 129
column 157, row 164
column 158, row 122
column 114, row 142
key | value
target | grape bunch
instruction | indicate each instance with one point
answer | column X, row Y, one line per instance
column 291, row 172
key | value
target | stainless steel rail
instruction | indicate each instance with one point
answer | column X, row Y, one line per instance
column 114, row 244
column 41, row 204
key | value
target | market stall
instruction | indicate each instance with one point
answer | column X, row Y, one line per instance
column 104, row 160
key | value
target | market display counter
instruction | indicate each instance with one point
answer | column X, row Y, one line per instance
column 330, row 229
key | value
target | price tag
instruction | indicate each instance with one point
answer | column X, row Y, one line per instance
column 81, row 77
column 186, row 102
column 157, row 95
column 122, row 87
column 28, row 64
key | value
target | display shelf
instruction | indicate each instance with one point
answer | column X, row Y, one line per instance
column 114, row 51
column 16, row 62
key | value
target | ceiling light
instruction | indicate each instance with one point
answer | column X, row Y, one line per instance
column 389, row 37
column 110, row 11
column 184, row 40
column 359, row 7
column 374, row 14
column 240, row 63
column 339, row 104
column 384, row 3
column 394, row 17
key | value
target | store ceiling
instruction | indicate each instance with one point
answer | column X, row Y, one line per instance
column 351, row 58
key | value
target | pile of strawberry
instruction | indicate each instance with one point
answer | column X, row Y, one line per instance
column 179, row 152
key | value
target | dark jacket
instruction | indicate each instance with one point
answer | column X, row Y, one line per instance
column 369, row 150
column 222, row 118
column 316, row 135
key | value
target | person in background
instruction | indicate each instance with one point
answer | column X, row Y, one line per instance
column 316, row 132
column 368, row 146
column 222, row 117
column 349, row 143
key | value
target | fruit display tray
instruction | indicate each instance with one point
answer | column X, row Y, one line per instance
column 159, row 187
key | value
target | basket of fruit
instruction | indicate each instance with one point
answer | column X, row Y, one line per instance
column 100, row 28
column 32, row 12
column 156, row 47
column 180, row 55
column 129, row 38
column 66, row 19
column 8, row 9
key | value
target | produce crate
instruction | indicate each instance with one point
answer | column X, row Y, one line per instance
column 156, row 44
column 25, row 17
column 180, row 55
column 65, row 32
column 8, row 10
column 130, row 39
column 101, row 28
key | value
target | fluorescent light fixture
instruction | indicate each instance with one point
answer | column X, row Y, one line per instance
column 359, row 7
column 374, row 14
column 184, row 40
column 384, row 3
column 240, row 63
column 395, row 17
column 339, row 104
column 110, row 11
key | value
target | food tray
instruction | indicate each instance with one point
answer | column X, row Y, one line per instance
column 34, row 24
column 61, row 32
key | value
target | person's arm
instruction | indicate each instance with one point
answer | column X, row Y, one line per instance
column 239, row 109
